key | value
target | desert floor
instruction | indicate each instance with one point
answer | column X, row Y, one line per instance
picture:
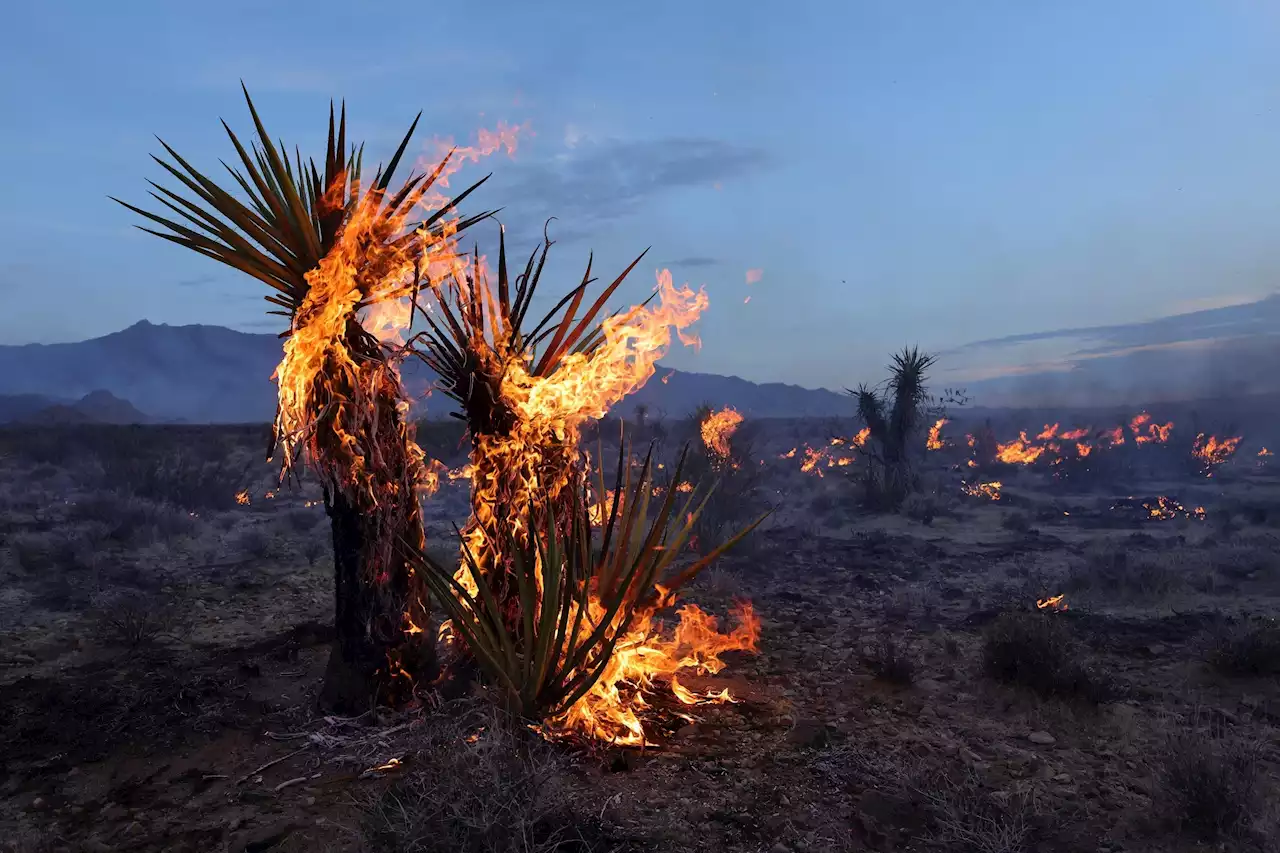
column 161, row 647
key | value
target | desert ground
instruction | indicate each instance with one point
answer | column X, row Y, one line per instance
column 162, row 643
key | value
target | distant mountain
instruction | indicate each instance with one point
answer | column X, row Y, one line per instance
column 211, row 374
column 16, row 407
column 96, row 407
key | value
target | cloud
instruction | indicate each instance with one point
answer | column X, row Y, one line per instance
column 196, row 281
column 600, row 182
column 692, row 261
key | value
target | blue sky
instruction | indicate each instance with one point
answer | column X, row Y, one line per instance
column 931, row 173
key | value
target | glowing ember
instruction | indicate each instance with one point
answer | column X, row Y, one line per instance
column 1166, row 508
column 990, row 491
column 1054, row 603
column 934, row 441
column 242, row 497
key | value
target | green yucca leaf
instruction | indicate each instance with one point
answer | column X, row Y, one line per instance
column 553, row 651
column 289, row 213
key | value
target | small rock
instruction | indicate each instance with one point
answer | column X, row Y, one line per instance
column 1062, row 778
column 811, row 733
column 37, row 803
column 1042, row 738
column 1156, row 649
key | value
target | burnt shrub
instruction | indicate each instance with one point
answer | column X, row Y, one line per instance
column 890, row 660
column 1250, row 648
column 134, row 620
column 1037, row 651
column 1116, row 571
column 1210, row 785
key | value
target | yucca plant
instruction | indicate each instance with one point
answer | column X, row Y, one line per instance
column 476, row 337
column 280, row 223
column 581, row 588
column 895, row 413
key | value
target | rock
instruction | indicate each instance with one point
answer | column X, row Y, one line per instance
column 1042, row 738
column 1155, row 649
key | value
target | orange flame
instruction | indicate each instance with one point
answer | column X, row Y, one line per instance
column 991, row 490
column 1054, row 603
column 1213, row 451
column 934, row 442
column 717, row 428
column 1019, row 452
column 1144, row 431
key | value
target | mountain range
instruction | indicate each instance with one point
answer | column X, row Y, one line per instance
column 211, row 374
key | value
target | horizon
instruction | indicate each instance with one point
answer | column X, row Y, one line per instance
column 963, row 175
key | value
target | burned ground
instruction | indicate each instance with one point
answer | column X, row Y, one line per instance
column 162, row 645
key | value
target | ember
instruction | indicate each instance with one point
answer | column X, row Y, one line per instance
column 1166, row 508
column 1212, row 451
column 991, row 490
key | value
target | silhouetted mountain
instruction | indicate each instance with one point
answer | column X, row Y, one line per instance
column 211, row 374
column 96, row 407
column 15, row 407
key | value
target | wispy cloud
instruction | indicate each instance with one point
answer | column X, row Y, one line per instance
column 692, row 261
column 601, row 182
column 196, row 281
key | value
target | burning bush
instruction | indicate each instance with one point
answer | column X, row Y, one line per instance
column 1036, row 651
column 722, row 456
column 584, row 647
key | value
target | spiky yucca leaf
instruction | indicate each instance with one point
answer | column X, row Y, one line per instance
column 577, row 598
column 479, row 333
column 291, row 213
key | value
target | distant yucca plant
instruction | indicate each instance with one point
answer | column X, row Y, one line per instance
column 895, row 413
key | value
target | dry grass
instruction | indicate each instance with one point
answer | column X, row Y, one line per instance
column 488, row 788
column 1209, row 783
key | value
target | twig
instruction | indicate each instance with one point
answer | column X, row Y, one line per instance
column 270, row 764
column 286, row 783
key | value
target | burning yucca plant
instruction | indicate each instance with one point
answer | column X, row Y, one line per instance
column 525, row 395
column 584, row 649
column 332, row 248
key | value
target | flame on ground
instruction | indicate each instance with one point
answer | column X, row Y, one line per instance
column 934, row 441
column 990, row 491
column 717, row 429
column 1213, row 451
column 1166, row 508
column 648, row 657
column 1054, row 603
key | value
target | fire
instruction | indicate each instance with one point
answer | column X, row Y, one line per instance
column 531, row 460
column 790, row 454
column 1054, row 603
column 1049, row 432
column 717, row 429
column 1144, row 430
column 242, row 497
column 1166, row 508
column 861, row 438
column 991, row 490
column 811, row 459
column 1213, row 451
column 1020, row 451
column 934, row 442
column 648, row 656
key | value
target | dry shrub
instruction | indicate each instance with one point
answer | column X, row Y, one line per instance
column 921, row 507
column 504, row 791
column 950, row 807
column 890, row 660
column 968, row 816
column 42, row 553
column 1210, row 784
column 1036, row 651
column 1250, row 648
column 1017, row 522
column 1118, row 572
column 134, row 620
column 132, row 521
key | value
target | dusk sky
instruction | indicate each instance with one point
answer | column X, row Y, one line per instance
column 926, row 172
